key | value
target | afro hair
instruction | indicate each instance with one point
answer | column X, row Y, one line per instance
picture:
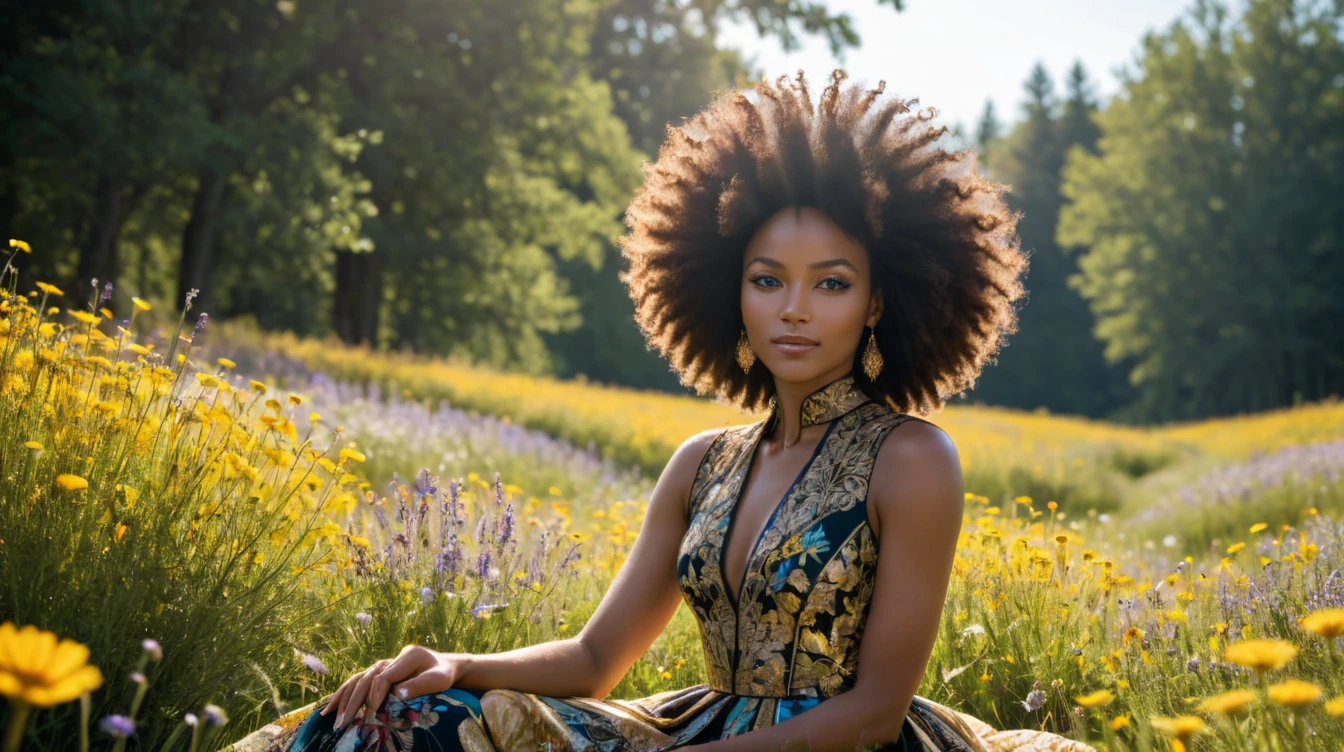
column 942, row 241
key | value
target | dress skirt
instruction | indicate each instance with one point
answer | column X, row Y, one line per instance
column 501, row 720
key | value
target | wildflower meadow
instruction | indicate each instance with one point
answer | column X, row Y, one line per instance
column 203, row 528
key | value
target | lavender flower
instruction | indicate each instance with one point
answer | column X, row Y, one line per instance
column 314, row 663
column 107, row 293
column 117, row 725
column 483, row 564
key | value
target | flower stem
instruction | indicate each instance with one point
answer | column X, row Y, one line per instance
column 18, row 723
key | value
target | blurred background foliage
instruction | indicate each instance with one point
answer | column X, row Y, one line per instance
column 449, row 177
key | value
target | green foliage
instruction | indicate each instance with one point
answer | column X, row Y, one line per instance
column 1211, row 215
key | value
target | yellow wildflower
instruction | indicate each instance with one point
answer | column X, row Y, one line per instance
column 49, row 289
column 1119, row 722
column 1234, row 703
column 1335, row 706
column 142, row 305
column 33, row 445
column 71, row 482
column 1327, row 622
column 1182, row 727
column 36, row 669
column 1257, row 527
column 1295, row 693
column 351, row 454
column 1235, row 547
column 1262, row 654
column 257, row 386
column 1100, row 698
column 226, row 363
column 22, row 246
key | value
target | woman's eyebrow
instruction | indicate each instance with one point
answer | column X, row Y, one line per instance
column 814, row 265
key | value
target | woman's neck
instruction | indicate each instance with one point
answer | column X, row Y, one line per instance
column 790, row 397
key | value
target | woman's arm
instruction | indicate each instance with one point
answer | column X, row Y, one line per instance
column 917, row 488
column 635, row 610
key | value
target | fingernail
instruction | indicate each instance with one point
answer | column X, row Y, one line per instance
column 340, row 721
column 401, row 693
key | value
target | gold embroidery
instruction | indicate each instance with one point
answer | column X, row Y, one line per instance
column 808, row 580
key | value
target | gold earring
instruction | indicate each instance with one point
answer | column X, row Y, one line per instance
column 872, row 358
column 746, row 357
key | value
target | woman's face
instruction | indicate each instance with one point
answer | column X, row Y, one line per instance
column 807, row 293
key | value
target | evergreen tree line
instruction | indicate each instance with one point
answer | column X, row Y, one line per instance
column 449, row 176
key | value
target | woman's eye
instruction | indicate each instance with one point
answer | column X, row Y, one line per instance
column 835, row 283
column 767, row 280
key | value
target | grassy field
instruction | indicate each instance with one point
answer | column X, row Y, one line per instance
column 275, row 514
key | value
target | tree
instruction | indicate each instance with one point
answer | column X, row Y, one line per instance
column 1211, row 216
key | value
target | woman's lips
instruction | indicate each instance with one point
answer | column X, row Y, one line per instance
column 794, row 345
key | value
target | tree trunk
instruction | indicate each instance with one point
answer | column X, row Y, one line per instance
column 196, row 239
column 358, row 297
column 95, row 251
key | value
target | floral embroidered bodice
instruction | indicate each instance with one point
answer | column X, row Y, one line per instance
column 805, row 592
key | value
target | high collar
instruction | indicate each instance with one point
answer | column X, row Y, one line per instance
column 825, row 404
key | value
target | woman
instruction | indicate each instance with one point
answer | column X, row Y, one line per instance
column 821, row 263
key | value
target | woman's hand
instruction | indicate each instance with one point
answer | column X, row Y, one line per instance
column 417, row 671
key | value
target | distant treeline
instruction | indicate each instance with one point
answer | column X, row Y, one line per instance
column 449, row 176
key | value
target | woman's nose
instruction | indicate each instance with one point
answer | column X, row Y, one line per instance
column 795, row 308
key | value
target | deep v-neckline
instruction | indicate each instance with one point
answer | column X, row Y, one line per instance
column 733, row 600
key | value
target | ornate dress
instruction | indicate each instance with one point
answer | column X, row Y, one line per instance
column 788, row 644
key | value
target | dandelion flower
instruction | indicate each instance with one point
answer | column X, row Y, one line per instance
column 39, row 670
column 1234, row 703
column 1257, row 527
column 49, row 289
column 1327, row 622
column 1335, row 706
column 34, row 445
column 1262, row 654
column 1100, row 698
column 22, row 246
column 70, row 482
column 1119, row 722
column 1295, row 693
column 226, row 362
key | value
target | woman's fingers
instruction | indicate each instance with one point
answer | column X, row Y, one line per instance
column 408, row 664
column 334, row 703
column 436, row 679
column 351, row 704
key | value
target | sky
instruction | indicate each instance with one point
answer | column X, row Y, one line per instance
column 954, row 55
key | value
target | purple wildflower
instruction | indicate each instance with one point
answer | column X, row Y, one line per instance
column 191, row 720
column 499, row 490
column 314, row 664
column 215, row 715
column 154, row 649
column 483, row 564
column 426, row 595
column 107, row 292
column 363, row 618
column 117, row 725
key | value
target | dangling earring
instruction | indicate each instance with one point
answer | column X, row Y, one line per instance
column 746, row 357
column 872, row 358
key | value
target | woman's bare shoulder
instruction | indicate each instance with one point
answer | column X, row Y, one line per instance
column 681, row 470
column 917, row 464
